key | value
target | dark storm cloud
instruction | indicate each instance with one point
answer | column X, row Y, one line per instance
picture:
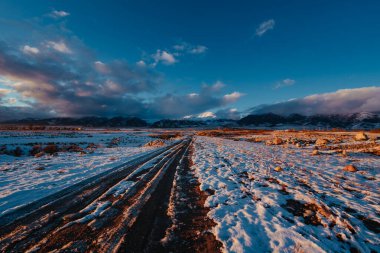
column 74, row 85
column 53, row 73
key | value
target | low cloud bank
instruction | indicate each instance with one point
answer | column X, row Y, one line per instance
column 342, row 101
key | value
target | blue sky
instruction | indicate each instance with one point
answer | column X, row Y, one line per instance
column 263, row 52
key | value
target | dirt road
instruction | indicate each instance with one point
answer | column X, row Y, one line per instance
column 127, row 209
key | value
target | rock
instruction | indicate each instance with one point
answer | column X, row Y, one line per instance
column 155, row 143
column 361, row 136
column 277, row 141
column 321, row 142
column 39, row 154
column 344, row 153
column 315, row 152
column 278, row 169
column 298, row 145
column 350, row 168
column 40, row 168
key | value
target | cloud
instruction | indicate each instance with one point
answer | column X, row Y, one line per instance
column 164, row 57
column 229, row 113
column 56, row 84
column 234, row 96
column 20, row 112
column 343, row 101
column 4, row 92
column 264, row 27
column 58, row 14
column 101, row 67
column 59, row 46
column 285, row 83
column 198, row 49
column 185, row 47
column 170, row 57
column 176, row 106
column 66, row 78
column 204, row 115
column 214, row 88
column 30, row 50
column 52, row 83
column 141, row 63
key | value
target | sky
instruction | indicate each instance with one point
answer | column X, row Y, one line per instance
column 175, row 59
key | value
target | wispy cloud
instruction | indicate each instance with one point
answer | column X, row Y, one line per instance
column 171, row 56
column 164, row 57
column 58, row 14
column 285, row 83
column 30, row 50
column 232, row 97
column 187, row 48
column 264, row 27
column 340, row 102
column 59, row 46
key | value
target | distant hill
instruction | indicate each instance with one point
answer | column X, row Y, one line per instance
column 267, row 120
column 183, row 123
column 85, row 122
column 349, row 121
column 169, row 123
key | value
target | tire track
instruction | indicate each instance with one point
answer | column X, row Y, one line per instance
column 52, row 223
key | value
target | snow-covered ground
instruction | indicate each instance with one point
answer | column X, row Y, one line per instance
column 312, row 205
column 27, row 178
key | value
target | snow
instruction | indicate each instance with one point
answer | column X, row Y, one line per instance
column 255, row 207
column 21, row 183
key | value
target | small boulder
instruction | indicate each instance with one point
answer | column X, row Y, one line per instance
column 315, row 152
column 278, row 169
column 361, row 136
column 39, row 154
column 40, row 168
column 155, row 143
column 277, row 141
column 321, row 142
column 350, row 168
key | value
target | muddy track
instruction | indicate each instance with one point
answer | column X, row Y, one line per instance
column 122, row 210
column 62, row 220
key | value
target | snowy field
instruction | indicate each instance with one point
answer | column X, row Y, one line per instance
column 80, row 155
column 309, row 205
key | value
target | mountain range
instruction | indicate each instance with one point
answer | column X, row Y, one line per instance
column 268, row 120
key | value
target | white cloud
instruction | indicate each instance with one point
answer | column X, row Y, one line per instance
column 59, row 46
column 198, row 49
column 179, row 47
column 216, row 87
column 285, row 83
column 188, row 48
column 164, row 57
column 234, row 96
column 229, row 113
column 204, row 115
column 264, row 27
column 4, row 91
column 343, row 101
column 141, row 63
column 101, row 67
column 59, row 14
column 12, row 100
column 30, row 50
column 193, row 95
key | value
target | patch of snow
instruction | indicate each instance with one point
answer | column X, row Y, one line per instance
column 252, row 202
